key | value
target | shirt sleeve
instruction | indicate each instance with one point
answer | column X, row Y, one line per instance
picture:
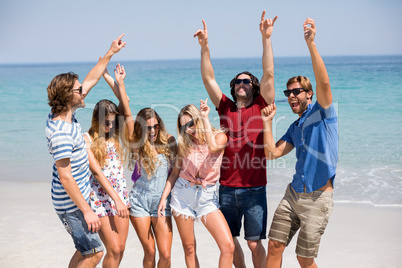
column 288, row 137
column 327, row 113
column 261, row 101
column 223, row 104
column 61, row 145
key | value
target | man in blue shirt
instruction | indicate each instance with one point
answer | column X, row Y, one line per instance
column 308, row 202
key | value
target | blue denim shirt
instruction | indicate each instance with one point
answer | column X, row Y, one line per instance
column 315, row 137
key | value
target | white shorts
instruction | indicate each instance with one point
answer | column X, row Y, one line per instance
column 193, row 201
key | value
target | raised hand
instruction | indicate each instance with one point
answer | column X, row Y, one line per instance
column 268, row 113
column 202, row 35
column 309, row 30
column 204, row 108
column 119, row 73
column 117, row 44
column 267, row 25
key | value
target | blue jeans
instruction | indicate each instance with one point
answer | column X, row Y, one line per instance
column 85, row 241
column 250, row 202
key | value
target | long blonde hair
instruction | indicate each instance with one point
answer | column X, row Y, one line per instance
column 140, row 142
column 185, row 142
column 97, row 132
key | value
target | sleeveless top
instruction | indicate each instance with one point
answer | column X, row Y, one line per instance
column 100, row 201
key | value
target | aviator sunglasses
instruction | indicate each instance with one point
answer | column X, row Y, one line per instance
column 295, row 91
column 245, row 81
column 187, row 125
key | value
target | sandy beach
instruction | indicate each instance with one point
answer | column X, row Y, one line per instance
column 31, row 235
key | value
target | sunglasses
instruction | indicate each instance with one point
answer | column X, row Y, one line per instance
column 295, row 91
column 156, row 127
column 78, row 89
column 245, row 81
column 108, row 123
column 187, row 125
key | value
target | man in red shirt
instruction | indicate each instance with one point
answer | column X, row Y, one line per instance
column 243, row 173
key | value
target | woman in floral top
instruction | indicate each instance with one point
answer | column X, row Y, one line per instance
column 106, row 148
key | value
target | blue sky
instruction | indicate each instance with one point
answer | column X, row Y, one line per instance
column 42, row 31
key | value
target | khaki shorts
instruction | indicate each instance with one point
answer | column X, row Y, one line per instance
column 308, row 212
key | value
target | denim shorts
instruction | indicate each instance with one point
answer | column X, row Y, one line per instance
column 145, row 203
column 193, row 201
column 85, row 241
column 308, row 212
column 250, row 202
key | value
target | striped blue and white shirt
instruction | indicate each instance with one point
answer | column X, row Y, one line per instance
column 65, row 140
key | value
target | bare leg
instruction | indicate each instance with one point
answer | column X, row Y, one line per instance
column 142, row 226
column 216, row 224
column 113, row 233
column 275, row 251
column 186, row 231
column 258, row 253
column 87, row 261
column 306, row 262
column 162, row 228
column 238, row 256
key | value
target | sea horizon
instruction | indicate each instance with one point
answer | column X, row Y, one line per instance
column 366, row 92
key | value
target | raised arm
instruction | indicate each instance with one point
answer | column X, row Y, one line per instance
column 113, row 85
column 216, row 142
column 272, row 150
column 267, row 88
column 96, row 73
column 120, row 75
column 207, row 71
column 323, row 89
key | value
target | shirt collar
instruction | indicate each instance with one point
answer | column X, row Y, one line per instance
column 303, row 117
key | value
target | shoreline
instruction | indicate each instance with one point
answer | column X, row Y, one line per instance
column 31, row 235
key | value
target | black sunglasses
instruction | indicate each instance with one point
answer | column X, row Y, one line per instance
column 156, row 127
column 187, row 125
column 108, row 123
column 295, row 91
column 79, row 90
column 245, row 81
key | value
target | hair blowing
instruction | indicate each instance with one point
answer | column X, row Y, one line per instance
column 60, row 93
column 144, row 154
column 97, row 132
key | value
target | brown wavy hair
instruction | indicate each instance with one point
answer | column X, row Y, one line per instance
column 143, row 147
column 59, row 92
column 304, row 82
column 185, row 142
column 116, row 134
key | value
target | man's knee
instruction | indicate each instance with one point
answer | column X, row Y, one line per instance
column 254, row 246
column 275, row 247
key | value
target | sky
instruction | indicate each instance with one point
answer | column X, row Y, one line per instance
column 51, row 31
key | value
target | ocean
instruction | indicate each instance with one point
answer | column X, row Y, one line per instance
column 367, row 92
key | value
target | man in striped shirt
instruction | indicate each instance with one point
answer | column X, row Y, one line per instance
column 70, row 184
